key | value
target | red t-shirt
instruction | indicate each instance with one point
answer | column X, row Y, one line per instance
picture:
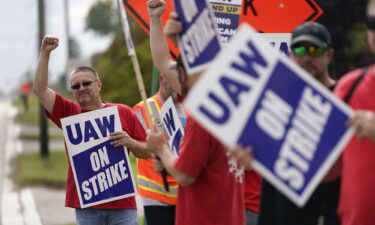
column 252, row 187
column 64, row 108
column 216, row 196
column 358, row 181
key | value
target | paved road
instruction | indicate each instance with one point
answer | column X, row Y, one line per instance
column 17, row 206
column 29, row 206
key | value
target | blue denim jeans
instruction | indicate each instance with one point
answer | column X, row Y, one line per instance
column 91, row 216
column 251, row 217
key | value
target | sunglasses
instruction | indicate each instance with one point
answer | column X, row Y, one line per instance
column 84, row 84
column 370, row 22
column 311, row 50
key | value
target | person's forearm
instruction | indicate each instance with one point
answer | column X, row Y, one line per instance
column 139, row 149
column 161, row 55
column 159, row 47
column 168, row 160
column 40, row 84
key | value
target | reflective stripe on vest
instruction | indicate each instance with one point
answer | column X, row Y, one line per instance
column 150, row 185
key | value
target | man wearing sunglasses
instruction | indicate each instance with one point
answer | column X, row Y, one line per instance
column 86, row 87
column 358, row 181
column 311, row 49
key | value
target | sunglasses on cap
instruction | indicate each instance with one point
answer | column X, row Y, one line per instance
column 311, row 50
column 370, row 22
column 84, row 84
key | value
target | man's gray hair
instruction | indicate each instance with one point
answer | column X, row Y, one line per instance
column 85, row 69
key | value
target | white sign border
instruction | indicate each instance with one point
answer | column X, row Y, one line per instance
column 335, row 153
column 117, row 117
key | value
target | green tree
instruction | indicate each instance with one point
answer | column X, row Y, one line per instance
column 102, row 18
column 116, row 69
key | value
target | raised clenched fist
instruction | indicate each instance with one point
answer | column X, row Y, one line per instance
column 49, row 43
column 156, row 8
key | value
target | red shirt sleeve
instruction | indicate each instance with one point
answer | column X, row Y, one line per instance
column 195, row 149
column 62, row 108
column 131, row 124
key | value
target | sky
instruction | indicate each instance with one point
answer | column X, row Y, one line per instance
column 19, row 32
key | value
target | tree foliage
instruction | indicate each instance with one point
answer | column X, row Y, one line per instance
column 116, row 69
column 345, row 21
column 102, row 18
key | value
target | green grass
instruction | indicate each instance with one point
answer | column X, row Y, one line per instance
column 33, row 136
column 31, row 117
column 140, row 220
column 33, row 102
column 34, row 171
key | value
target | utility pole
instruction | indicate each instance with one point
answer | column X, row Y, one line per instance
column 67, row 28
column 44, row 151
column 68, row 42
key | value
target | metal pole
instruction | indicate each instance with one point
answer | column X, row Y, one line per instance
column 44, row 151
column 68, row 43
column 67, row 28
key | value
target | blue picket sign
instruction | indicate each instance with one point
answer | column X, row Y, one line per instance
column 199, row 41
column 253, row 95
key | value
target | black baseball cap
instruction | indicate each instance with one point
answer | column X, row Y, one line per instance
column 312, row 32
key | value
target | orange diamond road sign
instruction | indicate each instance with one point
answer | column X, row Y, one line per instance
column 278, row 16
column 268, row 16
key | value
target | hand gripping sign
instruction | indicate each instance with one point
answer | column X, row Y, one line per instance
column 102, row 172
column 172, row 125
column 255, row 96
column 199, row 41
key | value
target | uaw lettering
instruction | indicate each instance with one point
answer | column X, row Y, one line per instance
column 172, row 125
column 101, row 171
column 199, row 41
column 280, row 41
column 255, row 93
column 227, row 17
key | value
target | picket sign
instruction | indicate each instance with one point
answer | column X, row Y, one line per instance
column 172, row 125
column 198, row 41
column 102, row 172
column 254, row 95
